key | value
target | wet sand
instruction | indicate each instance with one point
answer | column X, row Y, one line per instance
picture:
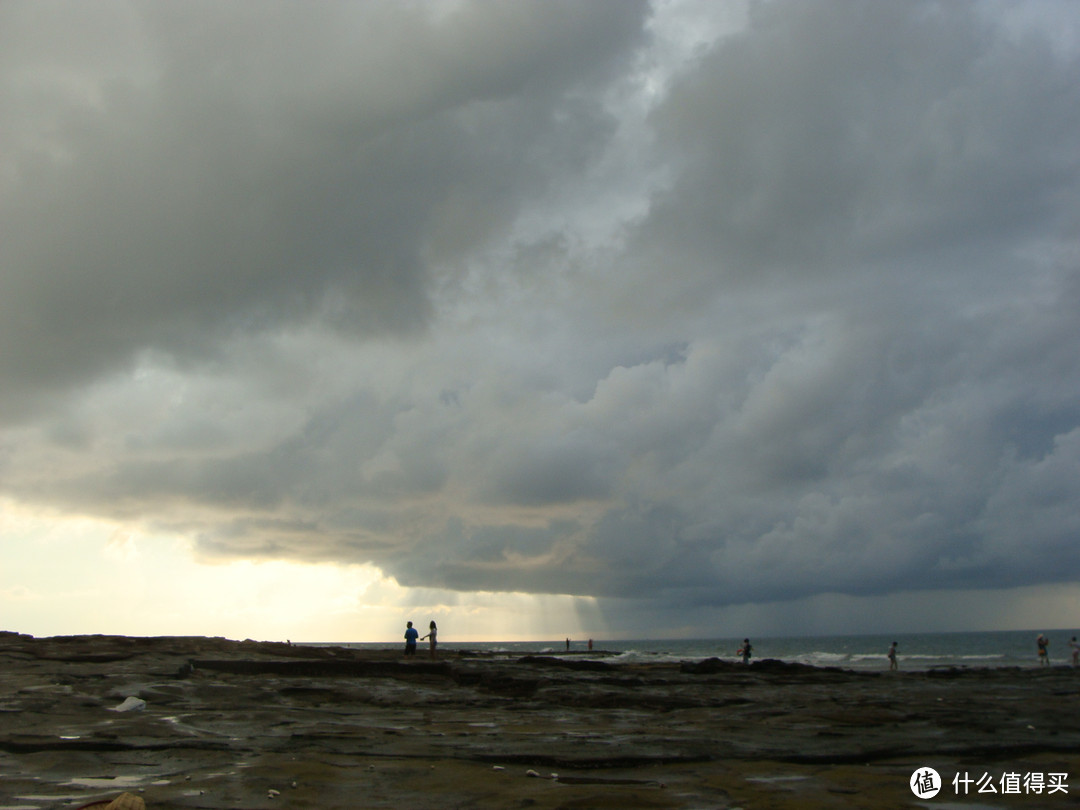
column 268, row 725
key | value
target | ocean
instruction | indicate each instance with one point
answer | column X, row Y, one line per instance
column 916, row 651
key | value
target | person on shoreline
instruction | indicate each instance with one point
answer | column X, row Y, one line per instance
column 411, row 634
column 892, row 657
column 431, row 637
column 745, row 650
column 1075, row 651
column 1044, row 654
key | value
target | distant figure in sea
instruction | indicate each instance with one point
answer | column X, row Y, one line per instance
column 590, row 644
column 1044, row 654
column 411, row 634
column 431, row 637
column 892, row 656
column 1076, row 651
column 568, row 644
column 745, row 650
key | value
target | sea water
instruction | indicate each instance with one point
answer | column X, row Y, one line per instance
column 916, row 651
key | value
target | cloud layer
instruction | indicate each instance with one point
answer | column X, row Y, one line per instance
column 553, row 297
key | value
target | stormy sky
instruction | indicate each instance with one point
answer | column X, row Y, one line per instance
column 684, row 309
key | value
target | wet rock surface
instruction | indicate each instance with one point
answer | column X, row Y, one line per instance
column 212, row 723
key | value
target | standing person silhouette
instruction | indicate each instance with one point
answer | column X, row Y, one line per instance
column 745, row 650
column 1044, row 654
column 431, row 637
column 410, row 638
column 892, row 656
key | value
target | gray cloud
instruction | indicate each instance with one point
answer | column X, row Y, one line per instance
column 503, row 300
column 232, row 171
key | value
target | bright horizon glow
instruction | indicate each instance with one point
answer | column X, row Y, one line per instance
column 119, row 581
column 116, row 580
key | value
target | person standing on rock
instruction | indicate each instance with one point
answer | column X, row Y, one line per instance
column 411, row 634
column 745, row 650
column 1044, row 654
column 431, row 637
column 892, row 656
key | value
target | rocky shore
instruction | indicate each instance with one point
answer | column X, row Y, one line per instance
column 213, row 723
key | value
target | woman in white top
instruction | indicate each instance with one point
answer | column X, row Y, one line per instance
column 431, row 637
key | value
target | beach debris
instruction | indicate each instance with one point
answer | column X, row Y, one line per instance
column 125, row 801
column 538, row 775
column 130, row 704
column 497, row 768
column 273, row 794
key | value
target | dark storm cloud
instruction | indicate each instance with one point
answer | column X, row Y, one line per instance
column 882, row 199
column 875, row 185
column 452, row 304
column 839, row 133
column 177, row 174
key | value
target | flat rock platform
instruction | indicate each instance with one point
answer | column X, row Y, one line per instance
column 218, row 724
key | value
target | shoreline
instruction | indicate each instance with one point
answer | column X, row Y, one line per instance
column 323, row 726
column 639, row 654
